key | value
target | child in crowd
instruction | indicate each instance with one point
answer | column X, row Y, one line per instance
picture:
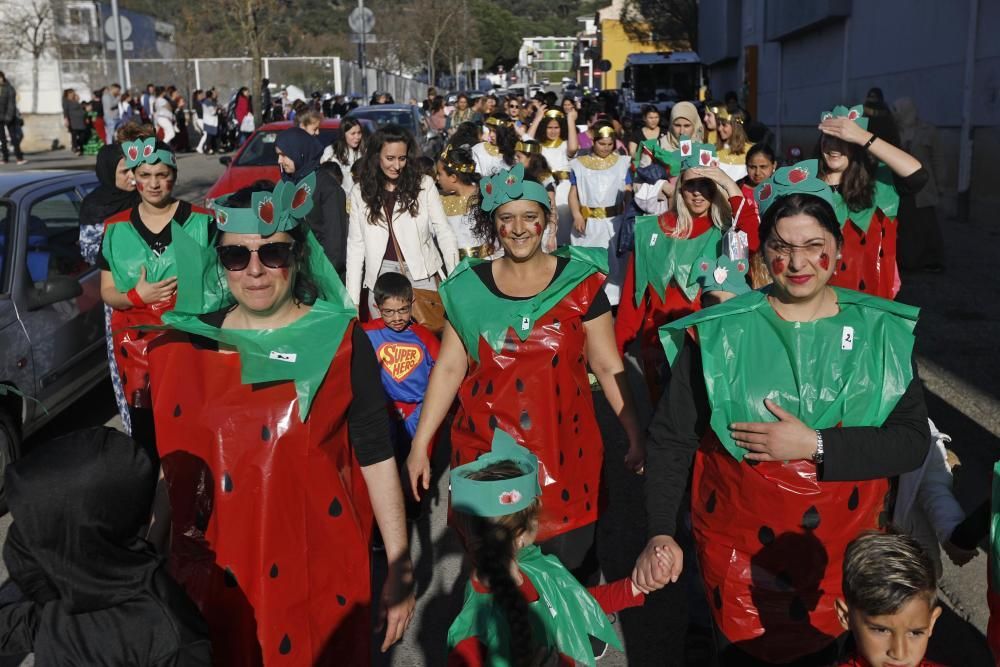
column 890, row 601
column 521, row 607
column 96, row 592
column 406, row 351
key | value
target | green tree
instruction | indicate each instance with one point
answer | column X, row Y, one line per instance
column 665, row 21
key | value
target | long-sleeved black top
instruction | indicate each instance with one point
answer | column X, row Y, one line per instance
column 850, row 453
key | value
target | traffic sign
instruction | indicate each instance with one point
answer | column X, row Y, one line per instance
column 361, row 20
column 370, row 38
column 477, row 63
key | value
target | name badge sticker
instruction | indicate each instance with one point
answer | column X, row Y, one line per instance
column 525, row 323
column 283, row 356
column 652, row 240
column 847, row 339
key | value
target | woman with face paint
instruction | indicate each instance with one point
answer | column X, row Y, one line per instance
column 659, row 280
column 521, row 332
column 866, row 176
column 600, row 184
column 138, row 268
column 796, row 403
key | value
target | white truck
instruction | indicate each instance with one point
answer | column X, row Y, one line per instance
column 660, row 79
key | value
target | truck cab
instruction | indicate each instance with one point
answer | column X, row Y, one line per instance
column 660, row 79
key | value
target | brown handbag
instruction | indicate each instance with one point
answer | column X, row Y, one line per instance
column 428, row 309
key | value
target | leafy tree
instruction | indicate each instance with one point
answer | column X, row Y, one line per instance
column 666, row 21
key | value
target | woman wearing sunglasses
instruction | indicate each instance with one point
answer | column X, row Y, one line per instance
column 275, row 444
column 138, row 268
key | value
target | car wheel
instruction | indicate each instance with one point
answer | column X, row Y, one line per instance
column 10, row 445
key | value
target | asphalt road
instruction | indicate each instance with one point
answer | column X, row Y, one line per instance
column 957, row 354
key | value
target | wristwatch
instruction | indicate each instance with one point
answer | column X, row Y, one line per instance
column 818, row 456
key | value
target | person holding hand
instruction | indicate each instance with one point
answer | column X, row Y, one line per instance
column 139, row 268
column 795, row 403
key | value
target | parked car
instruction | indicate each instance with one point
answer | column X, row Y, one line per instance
column 256, row 160
column 408, row 116
column 51, row 314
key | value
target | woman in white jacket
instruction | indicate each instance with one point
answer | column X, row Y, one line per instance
column 395, row 210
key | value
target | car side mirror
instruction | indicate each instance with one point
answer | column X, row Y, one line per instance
column 53, row 290
column 226, row 159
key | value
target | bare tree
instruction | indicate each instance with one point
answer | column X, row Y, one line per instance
column 252, row 20
column 27, row 29
column 662, row 21
column 430, row 22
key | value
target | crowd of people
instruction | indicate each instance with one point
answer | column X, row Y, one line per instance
column 290, row 360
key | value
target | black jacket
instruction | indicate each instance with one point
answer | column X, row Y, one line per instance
column 8, row 102
column 328, row 219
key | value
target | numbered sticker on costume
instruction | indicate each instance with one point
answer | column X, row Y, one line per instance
column 283, row 356
column 847, row 339
column 652, row 239
column 525, row 323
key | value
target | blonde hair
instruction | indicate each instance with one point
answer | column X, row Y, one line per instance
column 689, row 112
column 720, row 211
column 738, row 142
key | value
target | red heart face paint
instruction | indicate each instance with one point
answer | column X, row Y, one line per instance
column 504, row 231
column 824, row 261
column 139, row 186
column 777, row 266
column 538, row 228
column 168, row 185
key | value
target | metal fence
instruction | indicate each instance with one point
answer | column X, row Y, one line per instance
column 227, row 75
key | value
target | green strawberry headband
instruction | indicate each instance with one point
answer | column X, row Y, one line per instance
column 696, row 154
column 855, row 113
column 652, row 148
column 497, row 497
column 722, row 274
column 269, row 212
column 508, row 186
column 801, row 178
column 144, row 151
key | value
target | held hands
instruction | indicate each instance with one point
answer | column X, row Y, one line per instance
column 635, row 458
column 787, row 439
column 418, row 468
column 659, row 564
column 846, row 130
column 397, row 602
column 155, row 292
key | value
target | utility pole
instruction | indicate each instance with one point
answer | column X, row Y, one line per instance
column 119, row 48
column 361, row 53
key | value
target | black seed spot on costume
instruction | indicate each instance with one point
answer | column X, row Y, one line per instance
column 227, row 482
column 124, row 378
column 565, row 495
column 559, row 418
column 861, row 286
column 562, row 458
column 765, row 535
column 576, row 430
column 341, row 600
column 286, row 645
column 525, row 420
column 123, row 351
column 229, row 578
column 565, row 519
column 586, row 489
column 852, row 502
column 489, row 387
column 576, row 418
column 493, row 422
column 475, row 387
column 139, row 335
column 810, row 520
column 588, row 505
column 864, row 240
column 881, row 253
column 797, row 610
column 580, row 453
column 557, row 390
column 336, row 509
column 578, row 391
column 579, row 359
column 265, row 433
column 519, row 385
column 710, row 503
column 843, row 266
column 177, row 410
column 717, row 597
column 472, row 426
column 555, row 361
column 751, row 462
column 274, row 570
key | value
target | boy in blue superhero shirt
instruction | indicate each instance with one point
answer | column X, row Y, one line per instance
column 406, row 351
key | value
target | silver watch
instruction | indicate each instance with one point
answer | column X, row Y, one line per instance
column 818, row 456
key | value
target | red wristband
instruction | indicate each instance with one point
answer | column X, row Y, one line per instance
column 134, row 297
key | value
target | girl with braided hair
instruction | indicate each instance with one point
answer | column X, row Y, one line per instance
column 521, row 607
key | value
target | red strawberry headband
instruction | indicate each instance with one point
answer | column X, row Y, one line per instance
column 855, row 113
column 497, row 497
column 800, row 178
column 269, row 212
column 144, row 151
column 696, row 154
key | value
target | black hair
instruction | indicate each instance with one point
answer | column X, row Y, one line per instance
column 461, row 154
column 541, row 131
column 648, row 109
column 857, row 183
column 334, row 170
column 340, row 145
column 304, row 289
column 391, row 285
column 371, row 179
column 425, row 165
column 484, row 227
column 506, row 137
column 761, row 149
column 800, row 204
column 466, row 133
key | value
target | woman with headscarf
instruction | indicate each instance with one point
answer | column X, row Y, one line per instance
column 684, row 122
column 921, row 245
column 96, row 592
column 116, row 193
column 299, row 155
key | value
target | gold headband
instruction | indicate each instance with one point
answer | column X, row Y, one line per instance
column 555, row 113
column 528, row 147
column 606, row 131
column 497, row 122
column 463, row 168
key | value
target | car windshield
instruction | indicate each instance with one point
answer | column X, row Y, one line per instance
column 259, row 151
column 5, row 217
column 401, row 117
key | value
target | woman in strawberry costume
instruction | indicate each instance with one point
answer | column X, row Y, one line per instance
column 274, row 442
column 138, row 268
column 795, row 403
column 866, row 175
column 521, row 332
column 659, row 284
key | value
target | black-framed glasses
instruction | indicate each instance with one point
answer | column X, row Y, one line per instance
column 275, row 255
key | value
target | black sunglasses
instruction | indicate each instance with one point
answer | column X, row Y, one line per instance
column 275, row 255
